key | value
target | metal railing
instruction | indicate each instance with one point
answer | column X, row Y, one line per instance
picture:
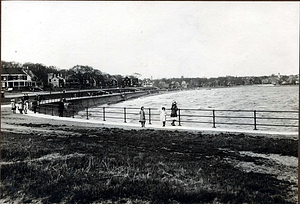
column 53, row 109
column 214, row 117
column 258, row 119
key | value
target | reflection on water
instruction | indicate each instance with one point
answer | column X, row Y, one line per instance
column 257, row 98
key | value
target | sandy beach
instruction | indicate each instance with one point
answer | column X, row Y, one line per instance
column 58, row 161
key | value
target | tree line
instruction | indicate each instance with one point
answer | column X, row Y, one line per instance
column 225, row 81
column 79, row 76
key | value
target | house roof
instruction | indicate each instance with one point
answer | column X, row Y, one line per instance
column 12, row 71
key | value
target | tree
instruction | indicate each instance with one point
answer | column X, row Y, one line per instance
column 97, row 75
column 137, row 75
column 40, row 70
column 10, row 64
column 84, row 74
column 119, row 79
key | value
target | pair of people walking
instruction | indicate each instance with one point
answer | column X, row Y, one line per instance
column 163, row 115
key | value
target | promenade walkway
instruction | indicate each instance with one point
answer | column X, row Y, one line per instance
column 159, row 127
column 31, row 94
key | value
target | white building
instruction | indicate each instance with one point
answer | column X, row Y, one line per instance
column 15, row 79
column 147, row 83
column 56, row 80
column 184, row 84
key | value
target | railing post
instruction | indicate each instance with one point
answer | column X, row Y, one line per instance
column 149, row 115
column 179, row 117
column 124, row 115
column 52, row 109
column 103, row 113
column 87, row 113
column 73, row 111
column 214, row 119
column 255, row 120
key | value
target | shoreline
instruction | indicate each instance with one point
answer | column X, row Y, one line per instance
column 122, row 125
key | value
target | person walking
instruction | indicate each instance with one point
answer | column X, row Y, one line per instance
column 61, row 107
column 163, row 116
column 38, row 99
column 26, row 106
column 20, row 106
column 13, row 105
column 174, row 109
column 34, row 105
column 142, row 117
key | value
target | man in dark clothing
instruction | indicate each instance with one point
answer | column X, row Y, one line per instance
column 34, row 105
column 61, row 107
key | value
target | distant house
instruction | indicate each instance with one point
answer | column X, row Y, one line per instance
column 16, row 79
column 266, row 81
column 56, row 81
column 275, row 79
column 113, row 82
column 174, row 85
column 147, row 83
column 127, row 82
column 163, row 85
column 184, row 85
column 72, row 81
column 293, row 79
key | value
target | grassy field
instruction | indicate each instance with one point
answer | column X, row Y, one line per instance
column 57, row 163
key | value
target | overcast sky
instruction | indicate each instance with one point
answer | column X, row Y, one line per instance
column 159, row 39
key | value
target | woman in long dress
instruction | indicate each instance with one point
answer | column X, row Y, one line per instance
column 174, row 113
column 142, row 117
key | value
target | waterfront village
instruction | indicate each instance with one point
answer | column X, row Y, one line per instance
column 17, row 77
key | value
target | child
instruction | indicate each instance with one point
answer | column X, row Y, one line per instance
column 163, row 116
column 142, row 117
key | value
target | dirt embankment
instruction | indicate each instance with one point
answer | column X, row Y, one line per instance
column 59, row 161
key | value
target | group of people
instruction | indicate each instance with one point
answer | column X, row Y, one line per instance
column 163, row 115
column 23, row 105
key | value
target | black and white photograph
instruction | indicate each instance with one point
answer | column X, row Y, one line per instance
column 149, row 102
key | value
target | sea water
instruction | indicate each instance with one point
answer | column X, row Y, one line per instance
column 250, row 98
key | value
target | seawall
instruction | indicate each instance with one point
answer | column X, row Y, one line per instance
column 76, row 104
column 90, row 101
